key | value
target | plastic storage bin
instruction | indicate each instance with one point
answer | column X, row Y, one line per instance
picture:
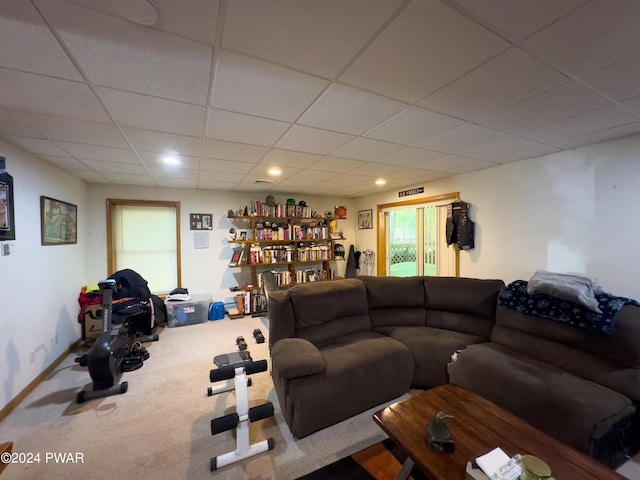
column 190, row 312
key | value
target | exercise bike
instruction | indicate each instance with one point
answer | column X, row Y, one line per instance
column 111, row 354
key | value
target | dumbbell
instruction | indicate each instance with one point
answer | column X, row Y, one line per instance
column 242, row 345
column 257, row 334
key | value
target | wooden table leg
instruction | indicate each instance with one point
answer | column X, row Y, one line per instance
column 405, row 471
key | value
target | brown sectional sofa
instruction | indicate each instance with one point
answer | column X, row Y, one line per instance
column 339, row 348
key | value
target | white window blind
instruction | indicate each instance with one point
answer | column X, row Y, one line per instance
column 145, row 240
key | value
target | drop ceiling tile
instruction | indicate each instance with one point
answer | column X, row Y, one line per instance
column 49, row 96
column 151, row 113
column 582, row 124
column 561, row 102
column 594, row 36
column 116, row 53
column 9, row 125
column 476, row 142
column 56, row 128
column 336, row 164
column 88, row 176
column 287, row 158
column 97, row 152
column 353, row 180
column 221, row 176
column 118, row 168
column 147, row 140
column 171, row 182
column 21, row 27
column 194, row 19
column 504, row 80
column 618, row 81
column 169, row 172
column 377, row 169
column 472, row 167
column 262, row 170
column 324, row 33
column 157, row 159
column 415, row 158
column 367, row 149
column 37, row 146
column 66, row 163
column 313, row 175
column 312, row 140
column 518, row 19
column 236, row 127
column 604, row 135
column 214, row 185
column 255, row 87
column 215, row 165
column 232, row 151
column 413, row 125
column 128, row 179
column 349, row 110
column 427, row 46
column 525, row 154
column 296, row 185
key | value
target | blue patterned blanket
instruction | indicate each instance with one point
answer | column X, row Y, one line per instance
column 516, row 297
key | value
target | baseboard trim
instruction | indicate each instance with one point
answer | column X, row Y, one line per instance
column 13, row 403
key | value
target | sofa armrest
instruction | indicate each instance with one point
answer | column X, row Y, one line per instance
column 296, row 357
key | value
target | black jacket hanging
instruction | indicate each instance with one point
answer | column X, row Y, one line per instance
column 459, row 228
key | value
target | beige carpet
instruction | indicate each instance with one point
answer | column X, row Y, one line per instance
column 160, row 428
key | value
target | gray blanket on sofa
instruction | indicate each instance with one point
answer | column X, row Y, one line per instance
column 516, row 297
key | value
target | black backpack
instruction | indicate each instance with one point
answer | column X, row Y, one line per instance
column 133, row 300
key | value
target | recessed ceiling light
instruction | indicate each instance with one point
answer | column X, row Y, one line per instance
column 381, row 181
column 170, row 160
column 274, row 171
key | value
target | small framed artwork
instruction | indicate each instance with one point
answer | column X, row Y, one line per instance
column 340, row 212
column 7, row 222
column 365, row 219
column 243, row 235
column 236, row 259
column 58, row 222
column 201, row 221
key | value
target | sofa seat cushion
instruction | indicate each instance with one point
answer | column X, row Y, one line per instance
column 362, row 370
column 431, row 349
column 573, row 410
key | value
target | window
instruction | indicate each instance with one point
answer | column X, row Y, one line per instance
column 145, row 236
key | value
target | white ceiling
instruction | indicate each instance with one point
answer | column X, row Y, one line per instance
column 337, row 93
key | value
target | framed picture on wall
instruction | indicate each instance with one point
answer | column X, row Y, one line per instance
column 340, row 211
column 7, row 217
column 58, row 222
column 365, row 219
column 201, row 221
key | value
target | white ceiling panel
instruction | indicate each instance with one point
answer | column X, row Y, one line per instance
column 37, row 146
column 149, row 61
column 152, row 113
column 427, row 46
column 232, row 151
column 312, row 140
column 98, row 152
column 256, row 87
column 517, row 19
column 49, row 96
column 413, row 125
column 21, row 27
column 236, row 127
column 600, row 33
column 147, row 140
column 347, row 109
column 56, row 128
column 618, row 81
column 315, row 37
column 336, row 93
column 562, row 102
column 504, row 80
column 367, row 149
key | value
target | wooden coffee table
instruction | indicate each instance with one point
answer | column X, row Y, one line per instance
column 478, row 427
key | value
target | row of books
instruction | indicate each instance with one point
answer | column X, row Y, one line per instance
column 292, row 232
column 285, row 277
column 260, row 209
column 314, row 254
column 270, row 254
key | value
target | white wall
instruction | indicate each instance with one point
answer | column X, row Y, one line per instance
column 203, row 270
column 40, row 285
column 567, row 212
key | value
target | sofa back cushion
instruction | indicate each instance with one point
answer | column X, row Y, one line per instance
column 326, row 310
column 610, row 360
column 466, row 305
column 395, row 301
